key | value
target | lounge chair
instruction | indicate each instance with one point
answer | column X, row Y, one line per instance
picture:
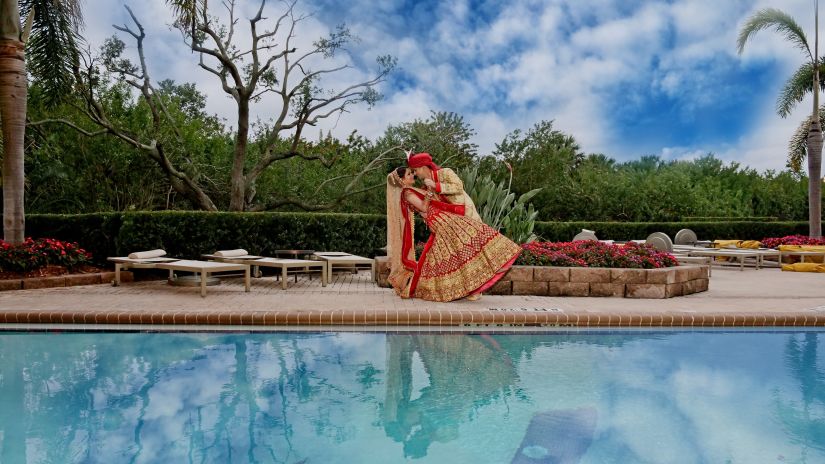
column 688, row 237
column 156, row 259
column 585, row 235
column 241, row 256
column 659, row 241
column 337, row 258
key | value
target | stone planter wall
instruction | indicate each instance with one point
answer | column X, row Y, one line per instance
column 67, row 280
column 584, row 281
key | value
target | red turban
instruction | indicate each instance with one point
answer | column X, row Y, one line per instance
column 420, row 160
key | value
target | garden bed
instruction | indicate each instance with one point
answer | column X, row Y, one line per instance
column 665, row 282
column 603, row 282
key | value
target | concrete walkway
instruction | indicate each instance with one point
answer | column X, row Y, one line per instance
column 766, row 297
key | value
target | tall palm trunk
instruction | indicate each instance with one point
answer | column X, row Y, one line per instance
column 13, row 96
column 815, row 147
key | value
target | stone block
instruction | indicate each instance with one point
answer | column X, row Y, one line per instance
column 590, row 274
column 382, row 264
column 695, row 286
column 502, row 287
column 696, row 272
column 607, row 289
column 11, row 285
column 645, row 291
column 672, row 290
column 683, row 273
column 44, row 282
column 519, row 274
column 665, row 275
column 628, row 276
column 529, row 288
column 82, row 279
column 568, row 289
column 551, row 274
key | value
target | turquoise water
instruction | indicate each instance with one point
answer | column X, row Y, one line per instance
column 604, row 397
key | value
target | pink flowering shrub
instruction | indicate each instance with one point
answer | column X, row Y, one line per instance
column 34, row 254
column 774, row 242
column 589, row 253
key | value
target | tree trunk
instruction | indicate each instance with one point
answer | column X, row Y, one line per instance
column 815, row 180
column 237, row 199
column 13, row 96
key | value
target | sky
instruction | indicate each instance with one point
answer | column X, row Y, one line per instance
column 626, row 78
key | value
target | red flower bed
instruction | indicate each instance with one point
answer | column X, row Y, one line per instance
column 774, row 242
column 589, row 253
column 35, row 254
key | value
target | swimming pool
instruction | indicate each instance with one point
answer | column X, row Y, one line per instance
column 572, row 397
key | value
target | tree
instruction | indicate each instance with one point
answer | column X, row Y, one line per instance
column 770, row 18
column 54, row 39
column 272, row 65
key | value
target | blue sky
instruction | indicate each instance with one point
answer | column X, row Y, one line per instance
column 625, row 78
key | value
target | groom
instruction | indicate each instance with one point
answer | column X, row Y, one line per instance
column 442, row 181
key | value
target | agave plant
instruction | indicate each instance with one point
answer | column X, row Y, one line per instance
column 498, row 206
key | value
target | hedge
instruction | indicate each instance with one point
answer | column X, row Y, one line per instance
column 743, row 230
column 188, row 234
column 729, row 219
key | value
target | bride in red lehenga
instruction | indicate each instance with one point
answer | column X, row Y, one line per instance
column 462, row 257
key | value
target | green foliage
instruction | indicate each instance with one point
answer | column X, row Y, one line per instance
column 564, row 231
column 729, row 219
column 189, row 234
column 444, row 135
column 31, row 255
column 498, row 206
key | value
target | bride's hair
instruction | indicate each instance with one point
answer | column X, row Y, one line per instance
column 397, row 175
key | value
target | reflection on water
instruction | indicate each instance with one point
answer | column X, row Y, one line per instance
column 308, row 398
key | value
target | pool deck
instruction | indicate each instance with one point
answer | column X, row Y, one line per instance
column 766, row 297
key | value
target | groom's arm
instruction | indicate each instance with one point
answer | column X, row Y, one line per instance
column 448, row 182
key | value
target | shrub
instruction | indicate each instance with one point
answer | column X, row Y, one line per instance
column 34, row 254
column 589, row 253
column 563, row 231
column 774, row 242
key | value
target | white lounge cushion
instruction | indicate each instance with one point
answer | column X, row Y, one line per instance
column 147, row 254
column 230, row 253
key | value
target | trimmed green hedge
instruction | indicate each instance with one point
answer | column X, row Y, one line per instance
column 742, row 230
column 188, row 234
column 729, row 219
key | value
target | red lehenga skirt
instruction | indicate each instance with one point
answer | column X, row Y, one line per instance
column 462, row 256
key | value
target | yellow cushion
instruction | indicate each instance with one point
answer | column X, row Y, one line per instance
column 802, row 247
column 726, row 243
column 752, row 244
column 804, row 267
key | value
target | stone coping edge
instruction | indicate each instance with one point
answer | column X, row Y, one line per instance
column 427, row 318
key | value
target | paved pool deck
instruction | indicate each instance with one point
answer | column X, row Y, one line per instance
column 766, row 297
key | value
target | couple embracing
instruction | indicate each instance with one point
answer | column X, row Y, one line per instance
column 462, row 257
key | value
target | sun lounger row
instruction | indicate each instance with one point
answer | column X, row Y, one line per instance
column 239, row 260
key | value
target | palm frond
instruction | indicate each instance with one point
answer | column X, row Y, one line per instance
column 781, row 22
column 798, row 145
column 799, row 85
column 54, row 44
column 187, row 13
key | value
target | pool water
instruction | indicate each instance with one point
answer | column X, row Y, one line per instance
column 570, row 397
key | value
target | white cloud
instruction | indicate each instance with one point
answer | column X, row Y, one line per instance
column 527, row 61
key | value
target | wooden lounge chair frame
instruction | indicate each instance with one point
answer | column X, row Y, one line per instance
column 283, row 264
column 343, row 259
column 204, row 268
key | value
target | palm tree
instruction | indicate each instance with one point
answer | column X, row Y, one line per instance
column 781, row 22
column 52, row 52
